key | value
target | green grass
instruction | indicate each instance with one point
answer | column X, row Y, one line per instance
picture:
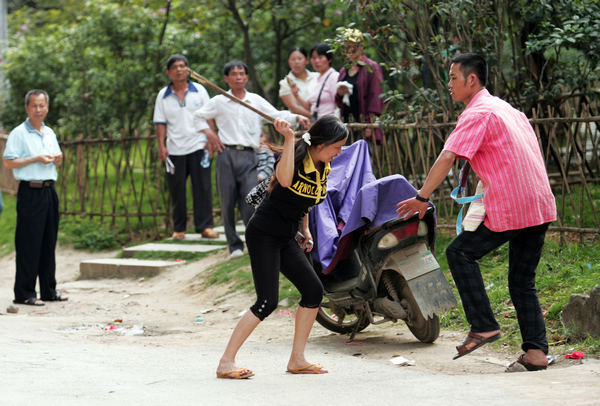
column 238, row 274
column 577, row 199
column 8, row 222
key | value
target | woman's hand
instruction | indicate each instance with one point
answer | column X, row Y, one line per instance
column 294, row 89
column 284, row 128
column 307, row 244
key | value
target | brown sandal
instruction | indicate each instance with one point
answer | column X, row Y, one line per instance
column 474, row 338
column 520, row 365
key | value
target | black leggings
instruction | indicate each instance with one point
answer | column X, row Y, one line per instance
column 269, row 255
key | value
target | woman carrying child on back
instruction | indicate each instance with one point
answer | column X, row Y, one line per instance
column 299, row 184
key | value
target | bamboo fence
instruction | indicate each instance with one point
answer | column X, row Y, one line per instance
column 121, row 182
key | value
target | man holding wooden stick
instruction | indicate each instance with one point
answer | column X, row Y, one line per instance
column 239, row 132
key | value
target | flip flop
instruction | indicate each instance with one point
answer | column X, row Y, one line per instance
column 30, row 301
column 520, row 365
column 475, row 338
column 308, row 369
column 241, row 373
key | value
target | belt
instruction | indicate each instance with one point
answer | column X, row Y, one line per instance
column 38, row 184
column 239, row 147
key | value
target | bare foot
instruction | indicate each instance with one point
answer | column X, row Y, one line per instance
column 226, row 365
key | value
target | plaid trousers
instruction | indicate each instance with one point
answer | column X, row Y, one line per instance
column 525, row 249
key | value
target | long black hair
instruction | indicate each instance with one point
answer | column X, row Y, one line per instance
column 326, row 130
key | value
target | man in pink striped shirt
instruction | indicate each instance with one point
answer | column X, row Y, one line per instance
column 502, row 148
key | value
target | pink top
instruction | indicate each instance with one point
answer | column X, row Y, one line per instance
column 503, row 150
column 327, row 104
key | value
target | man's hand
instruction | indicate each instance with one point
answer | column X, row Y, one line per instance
column 58, row 158
column 411, row 206
column 213, row 144
column 163, row 153
column 304, row 121
column 45, row 158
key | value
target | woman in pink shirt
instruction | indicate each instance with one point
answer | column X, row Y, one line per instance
column 502, row 148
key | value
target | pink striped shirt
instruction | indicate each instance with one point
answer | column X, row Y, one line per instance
column 503, row 150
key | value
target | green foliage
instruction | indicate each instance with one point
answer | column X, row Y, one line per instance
column 96, row 60
column 88, row 234
column 8, row 222
column 103, row 61
column 537, row 51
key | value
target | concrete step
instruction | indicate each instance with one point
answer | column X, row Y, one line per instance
column 198, row 238
column 123, row 268
column 240, row 228
column 152, row 247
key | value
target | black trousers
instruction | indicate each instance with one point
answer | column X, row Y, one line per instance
column 189, row 165
column 35, row 241
column 270, row 255
column 525, row 250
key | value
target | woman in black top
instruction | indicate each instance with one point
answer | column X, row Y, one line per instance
column 299, row 184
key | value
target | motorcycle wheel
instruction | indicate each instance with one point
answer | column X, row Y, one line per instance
column 328, row 319
column 426, row 330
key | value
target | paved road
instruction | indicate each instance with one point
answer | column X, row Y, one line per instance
column 42, row 365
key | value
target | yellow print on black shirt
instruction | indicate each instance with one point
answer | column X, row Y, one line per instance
column 305, row 187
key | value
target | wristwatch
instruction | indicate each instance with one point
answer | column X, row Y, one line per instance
column 421, row 198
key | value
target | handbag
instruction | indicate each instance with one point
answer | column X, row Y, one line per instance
column 315, row 113
column 257, row 194
column 476, row 212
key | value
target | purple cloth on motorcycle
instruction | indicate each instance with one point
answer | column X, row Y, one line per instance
column 365, row 205
column 350, row 171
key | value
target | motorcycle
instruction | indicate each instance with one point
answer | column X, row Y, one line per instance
column 386, row 273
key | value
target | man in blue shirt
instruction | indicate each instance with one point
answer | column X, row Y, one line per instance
column 32, row 152
column 182, row 147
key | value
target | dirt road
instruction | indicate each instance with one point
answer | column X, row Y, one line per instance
column 142, row 342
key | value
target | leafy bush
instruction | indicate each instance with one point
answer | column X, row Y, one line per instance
column 87, row 234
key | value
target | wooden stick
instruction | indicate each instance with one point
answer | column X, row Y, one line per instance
column 217, row 89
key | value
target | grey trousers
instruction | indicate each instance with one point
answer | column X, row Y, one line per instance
column 236, row 176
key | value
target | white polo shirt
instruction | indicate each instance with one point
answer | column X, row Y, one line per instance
column 184, row 136
column 237, row 124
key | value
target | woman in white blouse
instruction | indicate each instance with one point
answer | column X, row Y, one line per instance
column 296, row 84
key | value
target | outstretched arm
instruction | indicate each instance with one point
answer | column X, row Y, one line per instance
column 436, row 175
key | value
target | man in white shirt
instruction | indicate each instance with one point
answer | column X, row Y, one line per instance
column 185, row 148
column 239, row 135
